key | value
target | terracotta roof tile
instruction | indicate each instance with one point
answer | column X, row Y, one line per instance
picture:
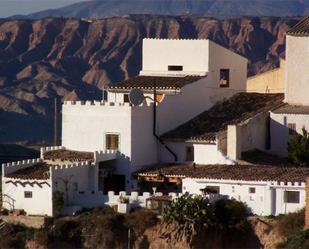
column 229, row 172
column 68, row 155
column 301, row 28
column 292, row 109
column 38, row 171
column 161, row 82
column 234, row 110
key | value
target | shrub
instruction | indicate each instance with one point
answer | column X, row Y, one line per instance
column 227, row 216
column 188, row 208
column 296, row 241
column 291, row 223
column 58, row 202
column 41, row 237
column 298, row 148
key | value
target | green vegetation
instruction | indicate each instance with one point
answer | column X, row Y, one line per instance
column 291, row 226
column 298, row 148
column 300, row 240
column 192, row 209
column 58, row 202
column 291, row 223
column 223, row 216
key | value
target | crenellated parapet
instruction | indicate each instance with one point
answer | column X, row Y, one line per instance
column 105, row 155
column 72, row 165
column 103, row 104
column 50, row 148
column 11, row 167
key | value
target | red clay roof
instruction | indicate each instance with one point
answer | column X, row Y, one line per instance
column 236, row 109
column 68, row 155
column 229, row 172
column 38, row 171
column 161, row 82
column 301, row 28
column 292, row 109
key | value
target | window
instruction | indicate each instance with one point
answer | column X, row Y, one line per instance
column 159, row 98
column 211, row 190
column 224, row 77
column 112, row 141
column 174, row 68
column 28, row 194
column 126, row 98
column 291, row 196
column 189, row 153
column 251, row 190
column 292, row 128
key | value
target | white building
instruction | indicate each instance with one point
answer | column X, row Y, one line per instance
column 202, row 117
column 266, row 190
column 190, row 76
column 29, row 185
column 294, row 115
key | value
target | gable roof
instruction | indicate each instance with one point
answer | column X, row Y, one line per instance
column 301, row 28
column 236, row 109
column 161, row 82
column 229, row 172
column 292, row 109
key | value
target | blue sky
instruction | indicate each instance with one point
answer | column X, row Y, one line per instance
column 13, row 7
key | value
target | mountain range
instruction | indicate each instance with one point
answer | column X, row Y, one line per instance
column 213, row 8
column 74, row 59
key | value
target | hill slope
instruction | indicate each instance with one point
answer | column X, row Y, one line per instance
column 73, row 59
column 215, row 8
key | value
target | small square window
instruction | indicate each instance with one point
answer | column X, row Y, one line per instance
column 174, row 68
column 251, row 190
column 211, row 190
column 292, row 128
column 28, row 194
column 224, row 77
column 126, row 98
column 291, row 196
column 112, row 141
column 189, row 153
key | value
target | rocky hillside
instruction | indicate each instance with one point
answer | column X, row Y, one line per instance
column 73, row 59
column 217, row 8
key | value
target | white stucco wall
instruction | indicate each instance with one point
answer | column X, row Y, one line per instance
column 222, row 58
column 159, row 53
column 203, row 153
column 210, row 154
column 254, row 132
column 297, row 75
column 39, row 204
column 144, row 145
column 84, row 127
column 280, row 132
column 75, row 177
column 203, row 94
column 268, row 197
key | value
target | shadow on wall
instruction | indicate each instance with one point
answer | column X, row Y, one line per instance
column 279, row 137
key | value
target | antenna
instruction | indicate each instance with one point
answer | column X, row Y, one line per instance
column 136, row 96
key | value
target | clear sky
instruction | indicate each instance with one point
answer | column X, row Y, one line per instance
column 14, row 7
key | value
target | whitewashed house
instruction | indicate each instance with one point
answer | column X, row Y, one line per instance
column 29, row 185
column 190, row 76
column 294, row 115
column 202, row 118
column 266, row 190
